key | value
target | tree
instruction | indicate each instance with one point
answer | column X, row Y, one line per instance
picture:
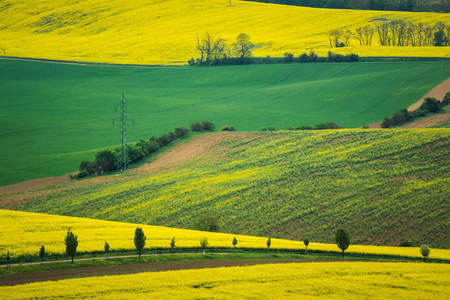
column 306, row 242
column 89, row 166
column 431, row 105
column 71, row 242
column 243, row 48
column 8, row 257
column 139, row 240
column 42, row 253
column 204, row 244
column 211, row 48
column 106, row 161
column 234, row 244
column 172, row 245
column 288, row 57
column 106, row 250
column 207, row 125
column 268, row 243
column 342, row 239
column 181, row 131
column 425, row 251
column 207, row 223
column 196, row 126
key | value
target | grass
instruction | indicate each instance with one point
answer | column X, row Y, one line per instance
column 54, row 116
column 382, row 185
column 165, row 32
column 210, row 255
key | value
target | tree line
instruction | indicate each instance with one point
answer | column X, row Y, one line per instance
column 214, row 50
column 107, row 160
column 394, row 32
column 430, row 105
column 341, row 236
column 390, row 5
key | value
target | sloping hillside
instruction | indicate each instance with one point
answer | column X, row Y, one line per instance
column 56, row 115
column 383, row 185
column 165, row 32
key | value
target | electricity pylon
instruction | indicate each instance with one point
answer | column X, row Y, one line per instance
column 123, row 153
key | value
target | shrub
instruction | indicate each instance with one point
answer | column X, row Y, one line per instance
column 207, row 223
column 227, row 128
column 288, row 57
column 196, row 126
column 181, row 131
column 446, row 99
column 270, row 128
column 304, row 58
column 207, row 125
column 82, row 174
column 191, row 62
column 387, row 123
column 431, row 105
column 267, row 60
column 313, row 56
column 405, row 243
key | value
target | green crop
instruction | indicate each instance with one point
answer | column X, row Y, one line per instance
column 384, row 186
column 54, row 116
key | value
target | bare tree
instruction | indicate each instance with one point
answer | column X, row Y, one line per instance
column 211, row 47
column 347, row 35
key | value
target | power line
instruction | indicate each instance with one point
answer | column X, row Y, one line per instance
column 123, row 160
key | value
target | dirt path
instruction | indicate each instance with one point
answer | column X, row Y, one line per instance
column 15, row 279
column 437, row 92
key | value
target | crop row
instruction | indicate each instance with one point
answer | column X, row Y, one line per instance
column 383, row 185
column 24, row 233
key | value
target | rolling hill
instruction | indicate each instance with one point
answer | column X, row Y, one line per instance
column 165, row 32
column 56, row 115
column 383, row 185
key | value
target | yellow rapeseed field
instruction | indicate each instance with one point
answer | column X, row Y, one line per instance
column 23, row 233
column 338, row 280
column 165, row 32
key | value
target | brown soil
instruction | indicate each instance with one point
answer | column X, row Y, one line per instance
column 15, row 279
column 33, row 184
column 429, row 121
column 191, row 151
column 438, row 92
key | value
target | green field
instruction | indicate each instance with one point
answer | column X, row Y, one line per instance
column 383, row 185
column 55, row 115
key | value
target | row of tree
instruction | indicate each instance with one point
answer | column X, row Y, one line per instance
column 214, row 50
column 395, row 32
column 321, row 126
column 430, row 105
column 391, row 5
column 342, row 239
column 106, row 160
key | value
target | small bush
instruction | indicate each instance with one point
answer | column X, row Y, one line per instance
column 405, row 243
column 267, row 60
column 387, row 123
column 82, row 174
column 288, row 57
column 227, row 128
column 304, row 58
column 431, row 105
column 207, row 125
column 196, row 126
column 191, row 62
column 446, row 100
column 270, row 128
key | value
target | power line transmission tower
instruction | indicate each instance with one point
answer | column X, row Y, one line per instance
column 123, row 153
